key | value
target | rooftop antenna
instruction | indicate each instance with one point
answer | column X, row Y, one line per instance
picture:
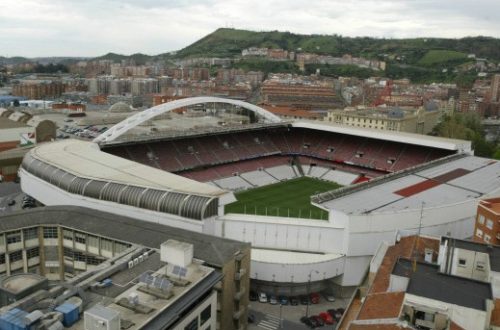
column 415, row 248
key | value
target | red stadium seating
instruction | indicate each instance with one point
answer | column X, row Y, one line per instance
column 211, row 157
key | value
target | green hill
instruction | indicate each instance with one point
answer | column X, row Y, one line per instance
column 226, row 42
column 440, row 57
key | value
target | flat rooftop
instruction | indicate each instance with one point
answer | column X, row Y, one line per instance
column 215, row 251
column 162, row 295
column 426, row 281
column 456, row 181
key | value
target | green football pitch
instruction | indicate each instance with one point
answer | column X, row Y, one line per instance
column 285, row 199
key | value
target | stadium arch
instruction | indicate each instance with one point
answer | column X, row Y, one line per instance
column 131, row 122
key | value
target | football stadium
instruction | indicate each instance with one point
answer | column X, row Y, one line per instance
column 314, row 199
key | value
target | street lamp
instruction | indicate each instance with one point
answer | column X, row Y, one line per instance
column 309, row 291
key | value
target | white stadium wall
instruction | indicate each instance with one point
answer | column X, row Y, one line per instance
column 282, row 233
column 296, row 273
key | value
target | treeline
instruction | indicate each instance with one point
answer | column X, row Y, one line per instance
column 421, row 75
column 266, row 66
column 47, row 68
column 337, row 70
column 468, row 127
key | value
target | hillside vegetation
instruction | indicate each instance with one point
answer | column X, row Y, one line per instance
column 226, row 42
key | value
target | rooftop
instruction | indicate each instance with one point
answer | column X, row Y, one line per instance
column 427, row 281
column 213, row 250
column 492, row 250
column 451, row 182
column 161, row 295
column 84, row 159
column 394, row 136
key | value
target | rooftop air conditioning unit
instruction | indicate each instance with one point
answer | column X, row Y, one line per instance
column 101, row 318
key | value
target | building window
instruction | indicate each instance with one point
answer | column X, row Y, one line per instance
column 78, row 256
column 481, row 219
column 206, row 314
column 13, row 238
column 487, row 238
column 93, row 241
column 80, row 238
column 479, row 233
column 489, row 223
column 480, row 265
column 16, row 256
column 50, row 232
column 30, row 233
column 33, row 253
column 462, row 262
column 91, row 260
column 2, row 258
column 193, row 325
column 68, row 234
column 68, row 253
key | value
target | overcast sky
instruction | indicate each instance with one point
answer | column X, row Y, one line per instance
column 95, row 27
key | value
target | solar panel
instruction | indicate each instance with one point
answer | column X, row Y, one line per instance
column 155, row 281
column 176, row 270
column 183, row 272
column 147, row 279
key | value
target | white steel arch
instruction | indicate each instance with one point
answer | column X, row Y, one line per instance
column 123, row 126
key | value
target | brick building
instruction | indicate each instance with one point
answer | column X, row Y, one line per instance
column 488, row 221
column 38, row 89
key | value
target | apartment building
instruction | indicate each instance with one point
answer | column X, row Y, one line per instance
column 487, row 225
column 410, row 120
column 38, row 89
column 69, row 244
column 429, row 283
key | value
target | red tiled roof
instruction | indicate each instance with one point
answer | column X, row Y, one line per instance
column 382, row 306
column 495, row 314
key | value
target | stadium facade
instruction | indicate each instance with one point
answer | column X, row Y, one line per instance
column 405, row 183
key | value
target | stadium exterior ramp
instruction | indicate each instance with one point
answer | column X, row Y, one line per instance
column 73, row 172
column 131, row 122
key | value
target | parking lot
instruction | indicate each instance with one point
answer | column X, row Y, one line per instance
column 86, row 132
column 268, row 316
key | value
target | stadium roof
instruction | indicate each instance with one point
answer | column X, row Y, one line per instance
column 84, row 159
column 402, row 137
column 456, row 181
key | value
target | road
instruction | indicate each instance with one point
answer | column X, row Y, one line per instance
column 267, row 316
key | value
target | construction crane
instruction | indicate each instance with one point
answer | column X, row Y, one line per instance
column 387, row 91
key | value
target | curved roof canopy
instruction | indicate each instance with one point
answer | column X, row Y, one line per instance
column 137, row 119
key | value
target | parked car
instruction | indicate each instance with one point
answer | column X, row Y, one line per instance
column 262, row 297
column 283, row 300
column 335, row 314
column 304, row 300
column 273, row 300
column 307, row 322
column 314, row 297
column 314, row 321
column 326, row 317
column 253, row 296
column 294, row 301
column 328, row 296
column 318, row 320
